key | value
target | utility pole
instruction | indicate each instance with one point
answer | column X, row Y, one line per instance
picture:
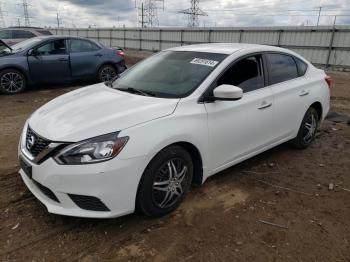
column 19, row 22
column 193, row 12
column 319, row 14
column 26, row 15
column 2, row 20
column 58, row 20
column 142, row 16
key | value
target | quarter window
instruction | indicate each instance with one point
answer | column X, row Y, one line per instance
column 246, row 74
column 302, row 66
column 56, row 47
column 77, row 46
column 281, row 68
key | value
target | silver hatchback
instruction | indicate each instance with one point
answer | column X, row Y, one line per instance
column 14, row 35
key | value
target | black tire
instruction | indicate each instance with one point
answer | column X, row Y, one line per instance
column 12, row 82
column 307, row 129
column 107, row 73
column 152, row 199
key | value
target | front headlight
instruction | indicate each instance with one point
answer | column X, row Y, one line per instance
column 97, row 149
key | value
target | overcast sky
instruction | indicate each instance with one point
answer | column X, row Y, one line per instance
column 108, row 13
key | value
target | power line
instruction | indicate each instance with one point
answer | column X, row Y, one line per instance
column 193, row 12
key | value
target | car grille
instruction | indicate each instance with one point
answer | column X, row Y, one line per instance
column 35, row 143
column 89, row 203
column 47, row 192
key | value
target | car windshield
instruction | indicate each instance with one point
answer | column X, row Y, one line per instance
column 24, row 45
column 169, row 74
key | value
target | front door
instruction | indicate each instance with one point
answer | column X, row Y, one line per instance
column 238, row 129
column 49, row 62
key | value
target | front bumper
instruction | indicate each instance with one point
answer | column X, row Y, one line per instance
column 114, row 183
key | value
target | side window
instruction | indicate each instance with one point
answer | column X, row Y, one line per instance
column 22, row 34
column 5, row 34
column 78, row 45
column 281, row 68
column 302, row 66
column 56, row 47
column 246, row 74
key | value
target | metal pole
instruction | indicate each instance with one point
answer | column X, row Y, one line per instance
column 160, row 39
column 331, row 43
column 240, row 36
column 142, row 21
column 279, row 37
column 209, row 36
column 319, row 14
column 110, row 37
column 140, row 36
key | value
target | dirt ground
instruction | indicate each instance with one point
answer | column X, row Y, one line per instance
column 217, row 222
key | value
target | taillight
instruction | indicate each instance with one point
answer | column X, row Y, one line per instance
column 121, row 53
column 328, row 80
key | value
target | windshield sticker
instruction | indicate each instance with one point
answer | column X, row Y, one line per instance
column 206, row 62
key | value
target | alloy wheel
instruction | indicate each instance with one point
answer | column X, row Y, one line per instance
column 310, row 128
column 12, row 82
column 107, row 74
column 170, row 182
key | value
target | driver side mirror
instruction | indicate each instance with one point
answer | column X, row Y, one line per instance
column 227, row 93
column 33, row 52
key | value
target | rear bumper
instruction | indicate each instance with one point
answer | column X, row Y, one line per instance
column 113, row 183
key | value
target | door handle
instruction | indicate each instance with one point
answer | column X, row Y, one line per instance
column 304, row 93
column 62, row 59
column 264, row 105
column 99, row 55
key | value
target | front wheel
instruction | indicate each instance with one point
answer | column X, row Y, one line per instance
column 165, row 182
column 12, row 81
column 307, row 129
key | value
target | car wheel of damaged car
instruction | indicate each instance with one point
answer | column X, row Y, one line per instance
column 107, row 73
column 12, row 81
column 165, row 181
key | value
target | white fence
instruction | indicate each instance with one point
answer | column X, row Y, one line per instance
column 323, row 46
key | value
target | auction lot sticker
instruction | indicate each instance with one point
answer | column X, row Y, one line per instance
column 206, row 62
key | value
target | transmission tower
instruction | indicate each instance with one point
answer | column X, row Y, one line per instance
column 193, row 13
column 149, row 14
column 26, row 15
column 2, row 20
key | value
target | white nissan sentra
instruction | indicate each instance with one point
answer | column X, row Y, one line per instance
column 171, row 121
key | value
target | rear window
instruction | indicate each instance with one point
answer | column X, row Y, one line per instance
column 17, row 34
column 44, row 32
column 281, row 68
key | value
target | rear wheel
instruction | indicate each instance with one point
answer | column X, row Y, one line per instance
column 107, row 73
column 12, row 81
column 165, row 181
column 307, row 130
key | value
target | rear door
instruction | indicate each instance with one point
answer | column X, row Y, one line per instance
column 85, row 58
column 49, row 62
column 290, row 93
column 240, row 128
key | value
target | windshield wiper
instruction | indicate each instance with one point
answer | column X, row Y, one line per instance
column 138, row 91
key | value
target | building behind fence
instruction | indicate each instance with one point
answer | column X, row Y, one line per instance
column 324, row 46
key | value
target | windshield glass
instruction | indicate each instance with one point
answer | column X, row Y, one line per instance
column 24, row 44
column 171, row 74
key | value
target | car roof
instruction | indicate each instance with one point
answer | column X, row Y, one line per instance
column 224, row 48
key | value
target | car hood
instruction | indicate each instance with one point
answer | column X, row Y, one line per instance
column 96, row 110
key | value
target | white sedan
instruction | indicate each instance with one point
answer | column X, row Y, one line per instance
column 169, row 122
